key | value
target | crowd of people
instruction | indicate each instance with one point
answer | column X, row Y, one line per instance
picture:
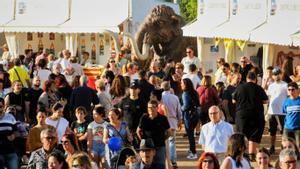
column 52, row 117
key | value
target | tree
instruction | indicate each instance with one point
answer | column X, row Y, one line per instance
column 188, row 9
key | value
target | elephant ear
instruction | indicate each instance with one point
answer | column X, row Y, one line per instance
column 177, row 21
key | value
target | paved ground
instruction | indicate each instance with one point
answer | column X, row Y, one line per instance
column 182, row 148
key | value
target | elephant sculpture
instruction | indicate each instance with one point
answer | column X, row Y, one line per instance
column 162, row 31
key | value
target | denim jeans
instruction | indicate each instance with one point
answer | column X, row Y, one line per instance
column 9, row 160
column 160, row 156
column 172, row 146
column 190, row 124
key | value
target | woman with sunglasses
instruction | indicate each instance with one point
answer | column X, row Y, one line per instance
column 208, row 161
column 112, row 66
column 80, row 160
column 70, row 145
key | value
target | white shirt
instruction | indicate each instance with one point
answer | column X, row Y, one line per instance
column 278, row 93
column 172, row 104
column 186, row 61
column 43, row 74
column 194, row 78
column 244, row 162
column 215, row 137
column 61, row 126
column 97, row 130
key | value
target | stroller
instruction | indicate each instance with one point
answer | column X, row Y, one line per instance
column 124, row 153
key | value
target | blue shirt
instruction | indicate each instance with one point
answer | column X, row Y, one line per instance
column 291, row 107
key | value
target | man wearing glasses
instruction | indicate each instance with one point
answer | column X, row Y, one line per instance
column 291, row 107
column 245, row 67
column 8, row 156
column 38, row 158
column 288, row 159
column 189, row 59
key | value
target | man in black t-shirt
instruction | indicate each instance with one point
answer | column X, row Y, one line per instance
column 133, row 108
column 249, row 98
column 33, row 95
column 155, row 126
column 245, row 67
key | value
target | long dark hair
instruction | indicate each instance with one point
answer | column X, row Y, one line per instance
column 236, row 148
column 189, row 88
column 60, row 158
column 73, row 140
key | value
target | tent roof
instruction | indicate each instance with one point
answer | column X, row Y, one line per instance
column 101, row 15
column 7, row 12
column 296, row 38
column 211, row 13
column 38, row 16
column 281, row 24
column 248, row 16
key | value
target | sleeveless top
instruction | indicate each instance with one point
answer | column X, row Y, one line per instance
column 112, row 131
column 244, row 162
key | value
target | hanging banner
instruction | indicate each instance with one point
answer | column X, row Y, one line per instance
column 101, row 45
column 217, row 41
column 241, row 44
column 51, row 36
column 29, row 36
column 52, row 49
column 93, row 52
column 40, row 45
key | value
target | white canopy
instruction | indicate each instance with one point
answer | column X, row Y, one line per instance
column 211, row 13
column 38, row 16
column 245, row 16
column 92, row 16
column 283, row 20
column 6, row 12
column 296, row 38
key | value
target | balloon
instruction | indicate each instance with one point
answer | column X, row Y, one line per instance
column 115, row 143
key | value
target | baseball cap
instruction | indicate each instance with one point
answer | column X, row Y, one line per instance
column 134, row 85
column 146, row 144
column 276, row 71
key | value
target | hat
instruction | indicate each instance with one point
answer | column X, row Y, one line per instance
column 146, row 144
column 134, row 85
column 276, row 71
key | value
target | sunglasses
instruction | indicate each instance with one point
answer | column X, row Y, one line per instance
column 188, row 52
column 290, row 162
column 112, row 61
column 65, row 142
column 208, row 161
column 50, row 138
column 292, row 89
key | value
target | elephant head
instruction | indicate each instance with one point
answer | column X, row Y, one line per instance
column 159, row 30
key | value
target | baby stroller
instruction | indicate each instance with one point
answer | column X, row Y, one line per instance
column 124, row 153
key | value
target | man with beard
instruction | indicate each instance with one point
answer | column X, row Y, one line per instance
column 33, row 94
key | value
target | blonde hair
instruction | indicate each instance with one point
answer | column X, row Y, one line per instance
column 82, row 158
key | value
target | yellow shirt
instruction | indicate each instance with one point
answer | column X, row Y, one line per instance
column 23, row 74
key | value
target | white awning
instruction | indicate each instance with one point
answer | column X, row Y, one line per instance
column 282, row 22
column 296, row 38
column 6, row 12
column 211, row 13
column 245, row 16
column 38, row 16
column 92, row 16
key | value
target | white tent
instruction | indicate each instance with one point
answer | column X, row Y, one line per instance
column 245, row 16
column 283, row 16
column 7, row 13
column 210, row 14
column 296, row 38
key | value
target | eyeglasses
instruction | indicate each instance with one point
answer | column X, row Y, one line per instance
column 50, row 138
column 112, row 61
column 290, row 162
column 65, row 142
column 291, row 89
column 77, row 166
column 208, row 161
column 188, row 51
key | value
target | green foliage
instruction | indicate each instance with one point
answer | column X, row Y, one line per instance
column 188, row 9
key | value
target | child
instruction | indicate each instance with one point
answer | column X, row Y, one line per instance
column 80, row 126
column 132, row 162
column 95, row 144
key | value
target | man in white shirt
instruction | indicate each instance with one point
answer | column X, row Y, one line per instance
column 193, row 75
column 189, row 59
column 277, row 92
column 174, row 116
column 215, row 134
